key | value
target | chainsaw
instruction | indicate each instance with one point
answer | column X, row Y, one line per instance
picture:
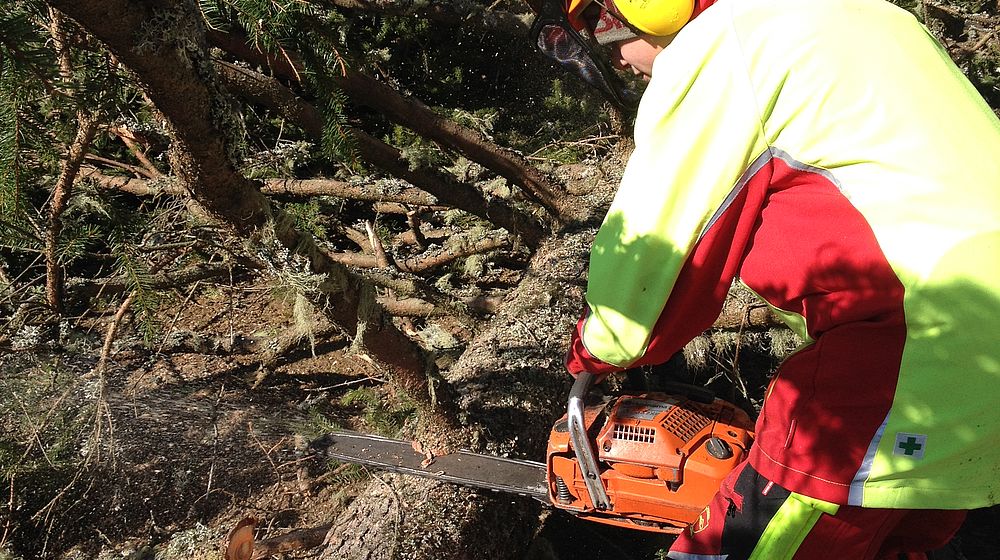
column 651, row 461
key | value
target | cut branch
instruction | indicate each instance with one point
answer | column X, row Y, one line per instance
column 421, row 263
column 300, row 539
column 736, row 315
column 290, row 188
column 381, row 258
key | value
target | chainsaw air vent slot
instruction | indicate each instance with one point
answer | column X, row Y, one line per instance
column 685, row 423
column 639, row 434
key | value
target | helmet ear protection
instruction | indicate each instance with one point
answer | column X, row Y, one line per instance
column 656, row 17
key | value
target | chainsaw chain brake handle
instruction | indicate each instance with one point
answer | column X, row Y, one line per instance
column 582, row 447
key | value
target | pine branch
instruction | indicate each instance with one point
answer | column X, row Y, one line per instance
column 267, row 91
column 466, row 14
column 422, row 120
column 413, row 114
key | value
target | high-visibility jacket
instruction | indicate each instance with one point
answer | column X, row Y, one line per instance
column 831, row 157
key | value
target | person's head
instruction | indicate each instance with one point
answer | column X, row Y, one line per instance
column 635, row 30
column 637, row 54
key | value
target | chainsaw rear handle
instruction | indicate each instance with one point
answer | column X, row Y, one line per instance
column 582, row 447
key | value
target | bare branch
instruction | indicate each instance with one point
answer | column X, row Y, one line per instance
column 288, row 188
column 86, row 128
column 422, row 263
column 133, row 169
column 126, row 137
column 416, row 307
column 168, row 280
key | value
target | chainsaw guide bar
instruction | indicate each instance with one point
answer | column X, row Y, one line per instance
column 651, row 461
column 502, row 474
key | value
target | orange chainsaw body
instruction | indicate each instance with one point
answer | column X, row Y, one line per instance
column 661, row 459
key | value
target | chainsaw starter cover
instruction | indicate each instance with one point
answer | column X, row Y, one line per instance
column 661, row 459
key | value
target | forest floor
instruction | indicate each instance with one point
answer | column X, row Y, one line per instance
column 199, row 434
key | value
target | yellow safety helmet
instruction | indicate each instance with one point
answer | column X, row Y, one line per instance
column 656, row 17
column 653, row 17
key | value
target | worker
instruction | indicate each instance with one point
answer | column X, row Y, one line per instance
column 829, row 156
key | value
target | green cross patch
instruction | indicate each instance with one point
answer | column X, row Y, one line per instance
column 910, row 445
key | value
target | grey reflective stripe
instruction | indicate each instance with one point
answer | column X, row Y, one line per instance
column 784, row 156
column 689, row 556
column 754, row 168
column 856, row 494
column 750, row 172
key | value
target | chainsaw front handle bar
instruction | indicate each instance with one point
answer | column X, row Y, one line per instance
column 581, row 443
